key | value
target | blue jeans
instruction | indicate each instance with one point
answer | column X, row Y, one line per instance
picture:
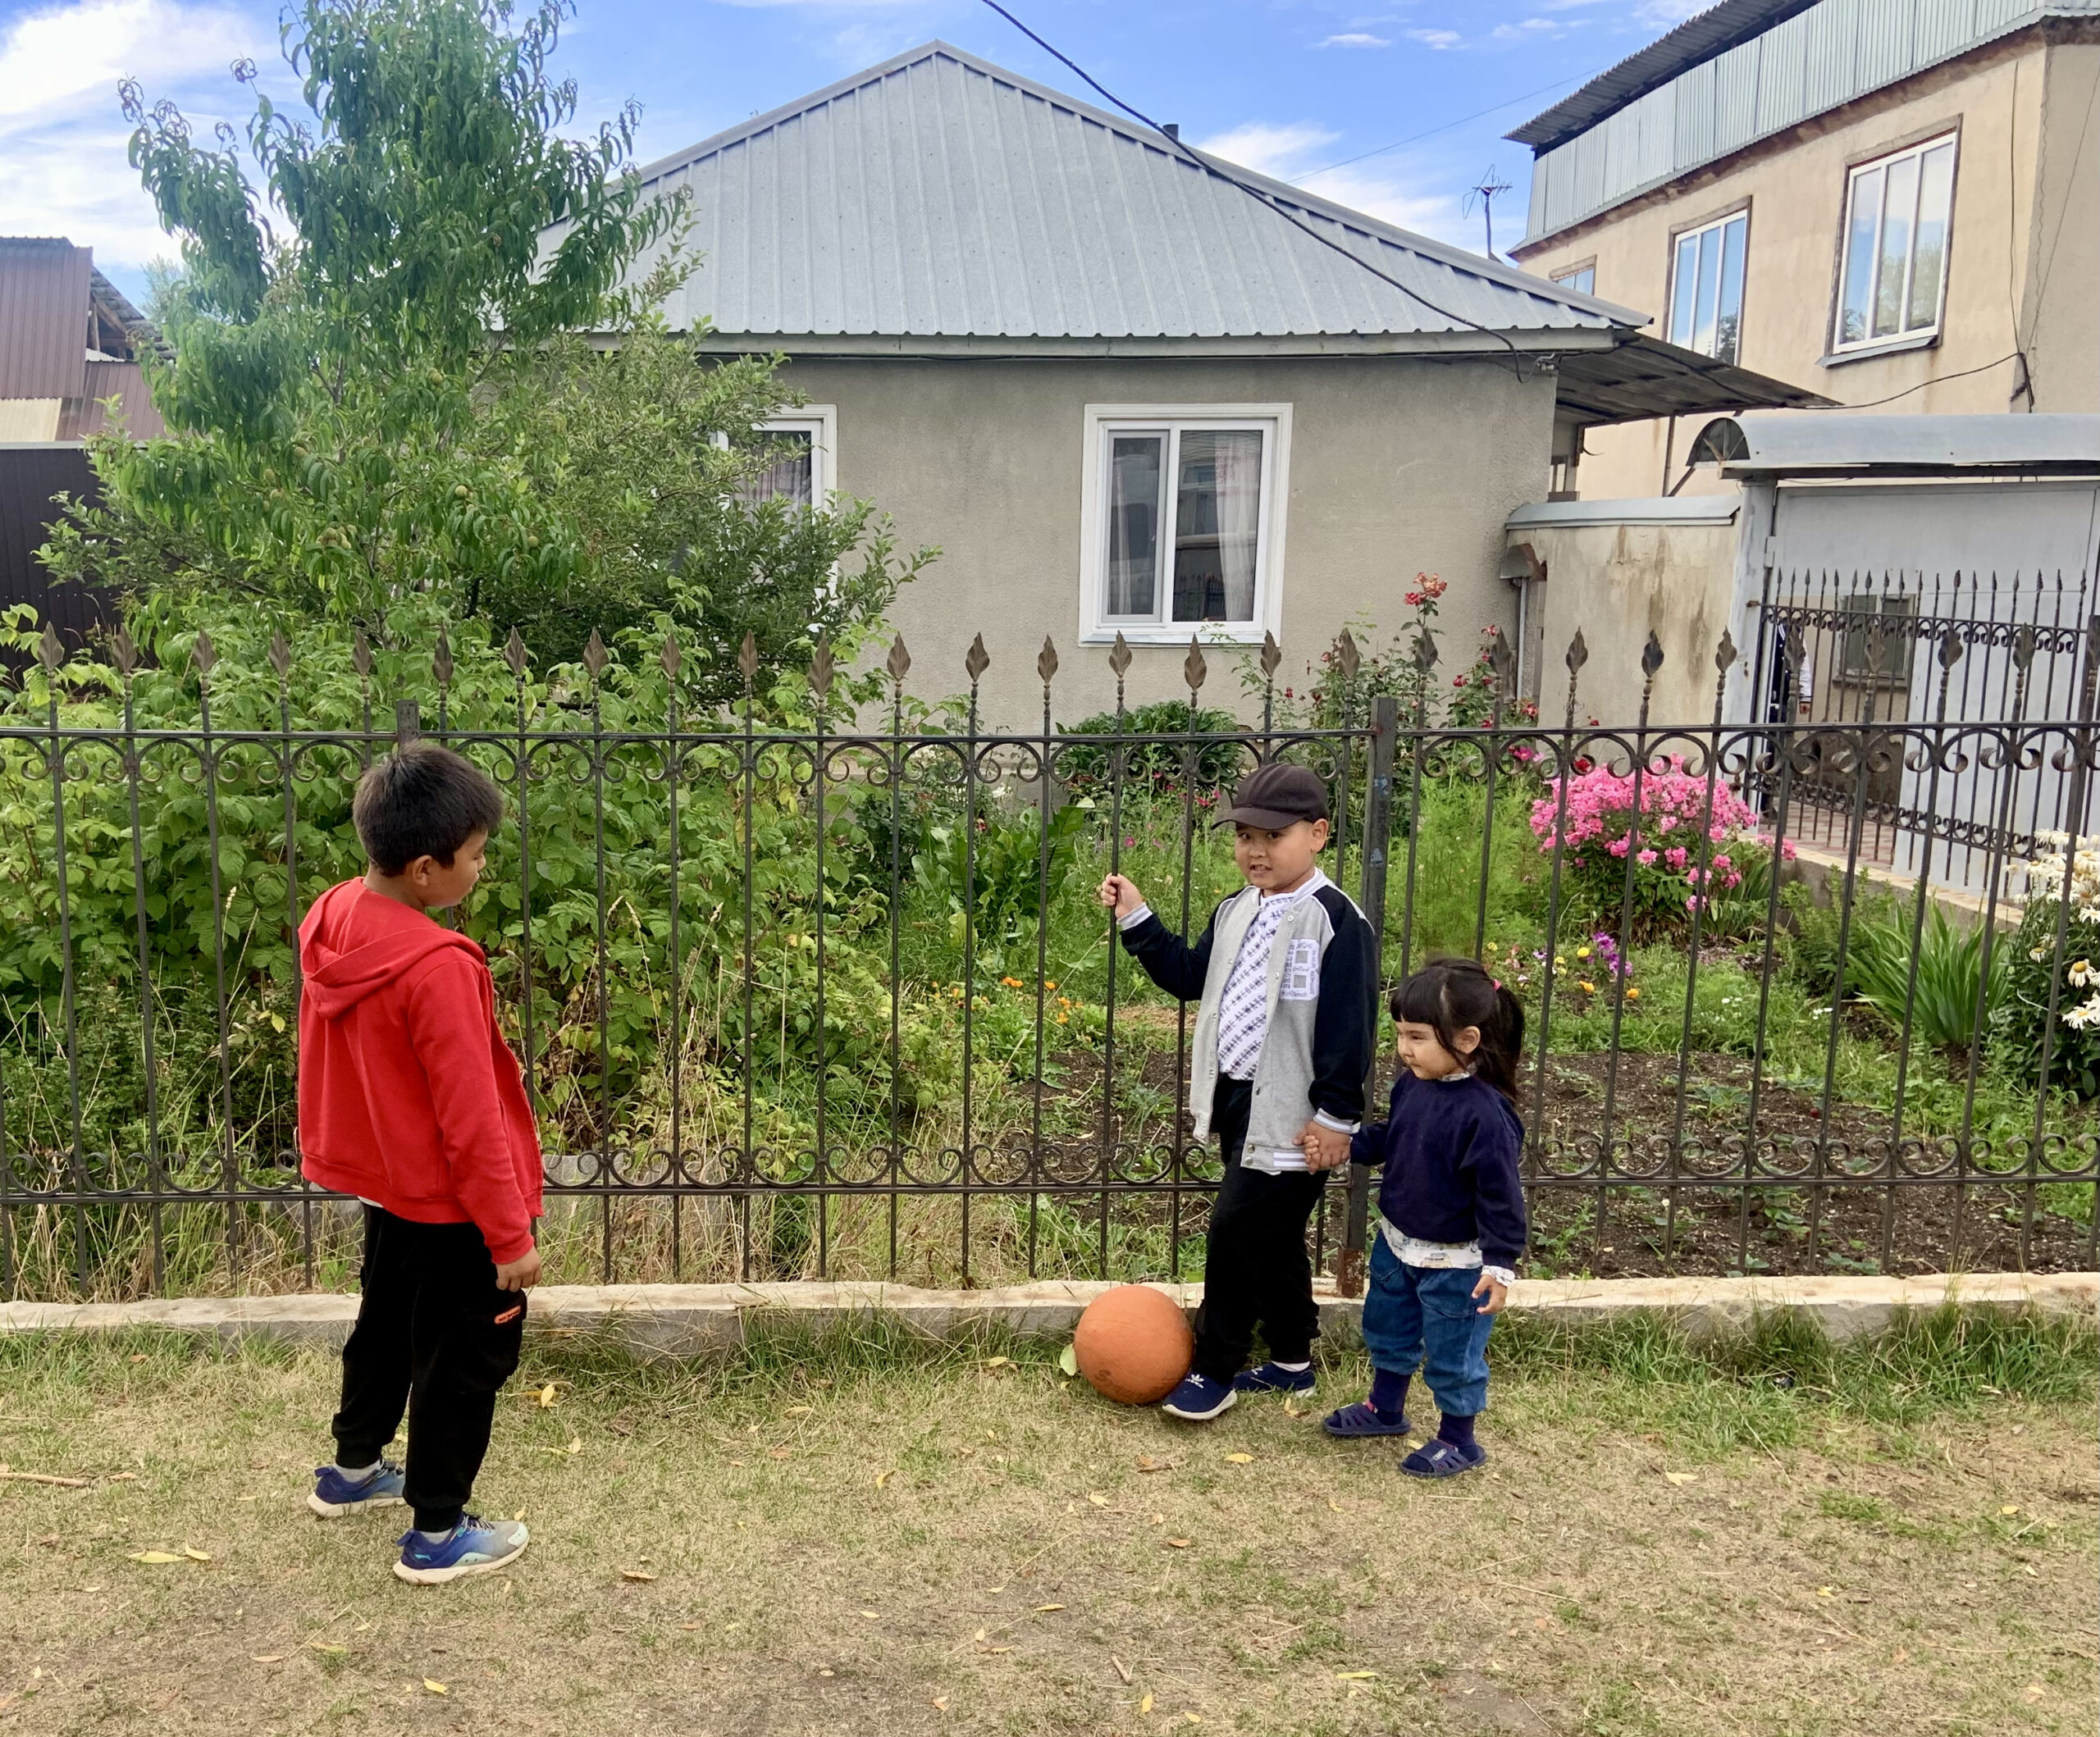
column 1428, row 1315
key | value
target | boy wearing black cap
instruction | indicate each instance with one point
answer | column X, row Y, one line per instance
column 1283, row 977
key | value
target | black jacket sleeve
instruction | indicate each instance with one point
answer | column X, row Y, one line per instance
column 1342, row 1023
column 1368, row 1146
column 1170, row 961
column 1491, row 1155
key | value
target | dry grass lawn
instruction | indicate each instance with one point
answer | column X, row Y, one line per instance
column 859, row 1537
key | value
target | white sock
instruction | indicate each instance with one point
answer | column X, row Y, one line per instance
column 355, row 1474
column 1295, row 1368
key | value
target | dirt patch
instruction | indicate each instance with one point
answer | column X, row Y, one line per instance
column 986, row 1548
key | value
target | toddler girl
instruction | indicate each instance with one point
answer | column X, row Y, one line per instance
column 1450, row 1210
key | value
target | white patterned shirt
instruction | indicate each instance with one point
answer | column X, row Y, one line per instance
column 1243, row 1018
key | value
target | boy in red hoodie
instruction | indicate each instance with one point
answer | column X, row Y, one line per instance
column 409, row 1099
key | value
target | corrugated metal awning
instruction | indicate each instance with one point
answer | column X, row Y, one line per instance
column 1775, row 444
column 1648, row 378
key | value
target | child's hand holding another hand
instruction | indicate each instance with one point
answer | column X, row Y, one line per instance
column 1119, row 894
column 1496, row 1292
column 1326, row 1148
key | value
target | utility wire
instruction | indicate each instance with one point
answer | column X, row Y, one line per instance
column 1253, row 192
column 1937, row 380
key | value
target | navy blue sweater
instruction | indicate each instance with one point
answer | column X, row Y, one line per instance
column 1449, row 1149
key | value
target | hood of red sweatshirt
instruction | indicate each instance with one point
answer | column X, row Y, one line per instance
column 355, row 941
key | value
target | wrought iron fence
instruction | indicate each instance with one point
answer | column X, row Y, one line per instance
column 824, row 991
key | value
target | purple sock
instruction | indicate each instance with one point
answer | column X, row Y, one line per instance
column 1389, row 1395
column 1458, row 1431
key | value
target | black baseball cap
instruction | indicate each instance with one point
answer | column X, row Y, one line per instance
column 1276, row 796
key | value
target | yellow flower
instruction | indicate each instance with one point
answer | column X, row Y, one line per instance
column 1559, row 959
column 1631, row 993
column 1064, row 1018
column 1049, row 983
column 1581, row 952
column 1588, row 988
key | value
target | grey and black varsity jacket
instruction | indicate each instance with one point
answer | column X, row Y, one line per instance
column 1316, row 1050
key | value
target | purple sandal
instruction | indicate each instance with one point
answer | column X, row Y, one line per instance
column 1361, row 1419
column 1438, row 1458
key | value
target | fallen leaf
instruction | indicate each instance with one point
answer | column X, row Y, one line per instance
column 575, row 1444
column 779, row 1453
column 800, row 1411
column 1096, row 1499
column 1354, row 1676
column 267, row 1658
column 979, row 1637
column 940, row 1703
column 154, row 1556
column 1068, row 1360
column 1192, row 1719
column 1903, row 1655
column 1826, row 1592
column 688, row 1627
column 872, row 1614
column 998, row 1363
column 1681, row 1477
column 436, row 1687
column 1293, row 1410
column 1239, row 1459
column 1122, row 1670
column 882, row 1477
column 636, row 1573
column 1144, row 1704
column 546, row 1397
column 1334, row 1504
column 194, row 1555
column 2032, row 1693
column 1041, row 1608
column 1177, row 1544
column 2010, row 1507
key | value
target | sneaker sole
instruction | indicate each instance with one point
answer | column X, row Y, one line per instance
column 338, row 1510
column 438, row 1576
column 1225, row 1404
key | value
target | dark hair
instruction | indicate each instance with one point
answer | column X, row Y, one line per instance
column 1448, row 995
column 422, row 801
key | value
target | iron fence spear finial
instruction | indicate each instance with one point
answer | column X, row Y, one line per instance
column 1046, row 661
column 1272, row 654
column 899, row 661
column 204, row 654
column 595, row 655
column 670, row 657
column 1194, row 668
column 279, row 654
column 124, row 651
column 747, row 660
column 821, row 664
column 977, row 660
column 1118, row 656
column 515, row 654
column 361, row 651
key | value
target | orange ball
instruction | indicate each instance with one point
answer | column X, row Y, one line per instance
column 1132, row 1344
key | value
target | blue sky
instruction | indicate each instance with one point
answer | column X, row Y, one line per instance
column 1290, row 87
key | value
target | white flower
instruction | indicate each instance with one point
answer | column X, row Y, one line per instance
column 2082, row 1019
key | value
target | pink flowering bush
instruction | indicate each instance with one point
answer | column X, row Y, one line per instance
column 1598, row 830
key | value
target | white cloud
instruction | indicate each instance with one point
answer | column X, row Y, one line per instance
column 1436, row 39
column 1531, row 29
column 62, row 141
column 1666, row 15
column 1356, row 39
column 1388, row 188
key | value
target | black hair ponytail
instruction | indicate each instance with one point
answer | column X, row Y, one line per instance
column 1448, row 995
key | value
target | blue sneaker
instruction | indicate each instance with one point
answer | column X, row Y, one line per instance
column 334, row 1495
column 1273, row 1378
column 475, row 1546
column 1198, row 1399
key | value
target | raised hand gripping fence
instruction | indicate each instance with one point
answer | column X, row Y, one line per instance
column 797, row 997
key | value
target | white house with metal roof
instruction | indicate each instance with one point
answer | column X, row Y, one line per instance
column 1128, row 389
column 1889, row 202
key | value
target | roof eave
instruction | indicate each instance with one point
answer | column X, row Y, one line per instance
column 884, row 346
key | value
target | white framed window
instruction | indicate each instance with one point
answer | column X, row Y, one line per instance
column 805, row 472
column 1582, row 280
column 1181, row 517
column 1706, row 274
column 1892, row 275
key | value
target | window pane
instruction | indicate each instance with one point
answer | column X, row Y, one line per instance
column 1583, row 282
column 1860, row 236
column 1217, row 510
column 1136, row 469
column 1682, row 282
column 789, row 477
column 1898, row 208
column 1728, row 328
column 1935, row 198
column 1710, row 278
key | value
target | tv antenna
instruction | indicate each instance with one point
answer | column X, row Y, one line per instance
column 1483, row 195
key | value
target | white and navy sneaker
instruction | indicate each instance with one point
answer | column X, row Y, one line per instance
column 1198, row 1399
column 334, row 1495
column 1273, row 1378
column 475, row 1546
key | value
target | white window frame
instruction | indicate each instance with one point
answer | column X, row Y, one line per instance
column 820, row 421
column 1567, row 274
column 1916, row 336
column 1677, row 239
column 1097, row 627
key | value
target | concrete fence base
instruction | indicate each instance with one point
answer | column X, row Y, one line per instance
column 697, row 1320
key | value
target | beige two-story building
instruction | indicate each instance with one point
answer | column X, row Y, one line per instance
column 1887, row 203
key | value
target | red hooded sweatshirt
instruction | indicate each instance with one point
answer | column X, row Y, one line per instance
column 408, row 1095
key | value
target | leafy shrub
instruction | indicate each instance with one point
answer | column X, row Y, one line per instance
column 1943, row 1011
column 2036, row 969
column 1015, row 862
column 1156, row 767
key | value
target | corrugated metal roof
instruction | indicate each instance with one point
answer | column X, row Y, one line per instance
column 1724, row 84
column 1698, row 40
column 937, row 197
column 43, row 316
column 1669, row 509
column 1791, row 443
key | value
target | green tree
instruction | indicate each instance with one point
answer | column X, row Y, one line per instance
column 393, row 398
